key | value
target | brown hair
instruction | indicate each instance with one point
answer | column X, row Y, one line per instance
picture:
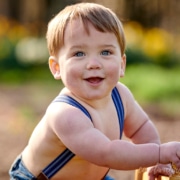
column 102, row 18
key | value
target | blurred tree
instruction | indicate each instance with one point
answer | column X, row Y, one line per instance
column 146, row 12
column 56, row 5
column 32, row 10
column 156, row 13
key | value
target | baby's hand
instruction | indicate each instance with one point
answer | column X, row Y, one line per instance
column 160, row 169
column 170, row 153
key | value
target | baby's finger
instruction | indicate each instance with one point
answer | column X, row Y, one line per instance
column 151, row 177
column 165, row 170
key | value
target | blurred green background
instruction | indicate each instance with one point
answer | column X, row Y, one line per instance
column 152, row 30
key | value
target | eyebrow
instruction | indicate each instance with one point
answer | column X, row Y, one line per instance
column 109, row 45
column 77, row 46
column 101, row 46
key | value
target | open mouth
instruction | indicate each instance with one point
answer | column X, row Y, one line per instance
column 94, row 80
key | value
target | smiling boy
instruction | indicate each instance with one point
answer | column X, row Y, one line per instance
column 86, row 121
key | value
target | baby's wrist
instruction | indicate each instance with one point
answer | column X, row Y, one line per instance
column 159, row 160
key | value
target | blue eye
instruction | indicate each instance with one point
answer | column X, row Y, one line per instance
column 105, row 53
column 79, row 54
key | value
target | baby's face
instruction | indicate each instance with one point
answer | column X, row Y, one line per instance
column 90, row 63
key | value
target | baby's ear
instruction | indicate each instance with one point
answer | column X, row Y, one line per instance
column 123, row 66
column 54, row 67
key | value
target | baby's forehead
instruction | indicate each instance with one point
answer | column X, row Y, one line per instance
column 84, row 25
column 79, row 35
column 79, row 24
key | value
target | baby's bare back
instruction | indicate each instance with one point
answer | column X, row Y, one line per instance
column 44, row 146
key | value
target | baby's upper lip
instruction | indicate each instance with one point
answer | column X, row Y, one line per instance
column 94, row 77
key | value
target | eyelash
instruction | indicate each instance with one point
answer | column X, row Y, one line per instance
column 81, row 53
column 108, row 52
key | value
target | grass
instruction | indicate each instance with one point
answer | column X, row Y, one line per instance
column 154, row 84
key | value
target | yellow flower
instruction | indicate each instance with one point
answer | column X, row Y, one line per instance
column 134, row 33
column 156, row 41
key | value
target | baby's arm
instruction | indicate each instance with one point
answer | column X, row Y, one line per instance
column 138, row 127
column 77, row 133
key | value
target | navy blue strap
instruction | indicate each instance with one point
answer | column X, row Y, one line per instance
column 58, row 163
column 67, row 155
column 119, row 108
column 73, row 102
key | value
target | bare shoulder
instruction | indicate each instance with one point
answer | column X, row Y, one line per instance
column 63, row 116
column 67, row 121
column 126, row 95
